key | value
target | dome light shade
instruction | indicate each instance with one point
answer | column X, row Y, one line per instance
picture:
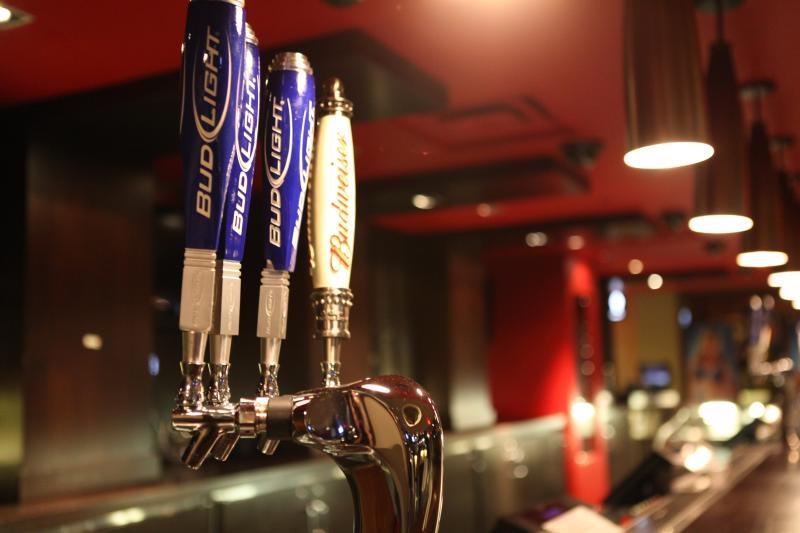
column 765, row 245
column 720, row 183
column 761, row 259
column 666, row 113
column 720, row 224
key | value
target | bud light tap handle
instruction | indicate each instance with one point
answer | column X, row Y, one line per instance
column 332, row 212
column 288, row 143
column 212, row 62
column 234, row 225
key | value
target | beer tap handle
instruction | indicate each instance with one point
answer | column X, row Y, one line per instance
column 332, row 210
column 211, row 67
column 234, row 233
column 288, row 142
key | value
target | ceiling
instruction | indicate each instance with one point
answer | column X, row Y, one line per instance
column 565, row 55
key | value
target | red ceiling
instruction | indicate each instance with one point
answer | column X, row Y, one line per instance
column 566, row 54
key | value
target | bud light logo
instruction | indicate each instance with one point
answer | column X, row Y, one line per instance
column 279, row 137
column 246, row 140
column 210, row 108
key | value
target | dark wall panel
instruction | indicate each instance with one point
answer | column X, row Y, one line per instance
column 89, row 270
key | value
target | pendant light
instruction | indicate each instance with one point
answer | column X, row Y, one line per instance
column 761, row 247
column 720, row 182
column 663, row 85
column 790, row 275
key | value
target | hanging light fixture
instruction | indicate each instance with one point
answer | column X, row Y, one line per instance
column 720, row 183
column 762, row 247
column 663, row 85
column 790, row 276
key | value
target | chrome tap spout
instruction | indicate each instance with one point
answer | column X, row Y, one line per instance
column 386, row 436
column 211, row 428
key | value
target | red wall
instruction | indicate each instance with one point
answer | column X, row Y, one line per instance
column 532, row 352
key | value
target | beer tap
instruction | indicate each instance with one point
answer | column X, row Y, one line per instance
column 384, row 432
column 331, row 227
column 288, row 145
column 211, row 68
column 234, row 227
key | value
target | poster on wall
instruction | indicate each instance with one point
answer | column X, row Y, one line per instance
column 710, row 363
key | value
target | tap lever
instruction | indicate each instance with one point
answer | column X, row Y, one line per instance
column 208, row 426
column 200, row 446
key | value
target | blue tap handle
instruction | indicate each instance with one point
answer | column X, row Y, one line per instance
column 288, row 147
column 212, row 65
column 240, row 184
column 213, row 52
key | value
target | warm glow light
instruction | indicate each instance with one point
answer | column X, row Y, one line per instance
column 698, row 459
column 575, row 242
column 787, row 277
column 235, row 493
column 92, row 341
column 756, row 410
column 790, row 292
column 654, row 281
column 761, row 259
column 668, row 155
column 582, row 411
column 720, row 224
column 5, row 14
column 796, row 305
column 536, row 238
column 126, row 517
column 635, row 266
column 772, row 413
column 721, row 418
column 484, row 210
column 377, row 388
column 423, row 201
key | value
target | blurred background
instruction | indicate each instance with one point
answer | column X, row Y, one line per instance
column 552, row 298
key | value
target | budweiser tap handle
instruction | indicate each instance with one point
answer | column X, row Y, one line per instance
column 331, row 225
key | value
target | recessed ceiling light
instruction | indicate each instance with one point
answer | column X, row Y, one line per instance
column 635, row 266
column 655, row 281
column 11, row 17
column 536, row 238
column 423, row 201
column 92, row 341
column 575, row 242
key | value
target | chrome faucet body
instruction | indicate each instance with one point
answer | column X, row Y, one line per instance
column 383, row 432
